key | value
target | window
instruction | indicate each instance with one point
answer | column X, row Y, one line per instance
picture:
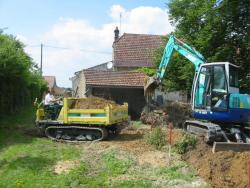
column 219, row 89
column 202, row 87
column 219, row 79
column 233, row 76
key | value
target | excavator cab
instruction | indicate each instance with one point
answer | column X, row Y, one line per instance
column 213, row 84
column 216, row 97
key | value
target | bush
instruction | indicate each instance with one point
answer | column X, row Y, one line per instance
column 188, row 141
column 178, row 113
column 157, row 138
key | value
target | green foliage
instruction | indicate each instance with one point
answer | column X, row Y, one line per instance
column 20, row 78
column 220, row 33
column 136, row 124
column 188, row 141
column 136, row 184
column 179, row 73
column 175, row 172
column 114, row 165
column 147, row 71
column 156, row 138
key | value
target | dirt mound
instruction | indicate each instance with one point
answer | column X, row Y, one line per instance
column 176, row 112
column 221, row 169
column 155, row 118
column 92, row 103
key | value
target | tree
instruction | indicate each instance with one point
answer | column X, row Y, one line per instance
column 179, row 73
column 20, row 79
column 220, row 31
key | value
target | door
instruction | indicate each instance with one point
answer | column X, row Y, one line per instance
column 219, row 89
column 203, row 88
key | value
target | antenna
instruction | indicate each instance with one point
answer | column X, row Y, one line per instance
column 120, row 22
column 110, row 65
column 41, row 63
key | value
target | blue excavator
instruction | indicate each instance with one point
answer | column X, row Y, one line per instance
column 220, row 113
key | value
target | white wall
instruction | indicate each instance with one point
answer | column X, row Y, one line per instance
column 171, row 96
column 78, row 85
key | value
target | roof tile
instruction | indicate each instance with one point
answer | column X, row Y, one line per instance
column 114, row 78
column 136, row 50
column 51, row 80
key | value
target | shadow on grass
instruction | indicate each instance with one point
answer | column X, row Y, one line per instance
column 17, row 128
column 28, row 163
column 125, row 137
column 23, row 119
column 10, row 137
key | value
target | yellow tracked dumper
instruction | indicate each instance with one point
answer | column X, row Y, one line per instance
column 76, row 125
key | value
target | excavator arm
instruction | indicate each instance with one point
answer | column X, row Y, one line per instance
column 173, row 44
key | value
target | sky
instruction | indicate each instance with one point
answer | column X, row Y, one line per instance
column 78, row 34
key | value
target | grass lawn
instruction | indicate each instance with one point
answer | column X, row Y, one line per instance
column 29, row 160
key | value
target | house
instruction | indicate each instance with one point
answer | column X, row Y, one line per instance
column 51, row 80
column 119, row 79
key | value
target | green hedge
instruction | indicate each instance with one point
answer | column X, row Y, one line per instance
column 20, row 79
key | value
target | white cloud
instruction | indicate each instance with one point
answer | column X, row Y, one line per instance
column 115, row 12
column 22, row 38
column 79, row 34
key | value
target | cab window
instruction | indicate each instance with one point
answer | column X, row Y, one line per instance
column 233, row 76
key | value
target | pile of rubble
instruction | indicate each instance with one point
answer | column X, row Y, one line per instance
column 175, row 112
column 178, row 112
column 154, row 118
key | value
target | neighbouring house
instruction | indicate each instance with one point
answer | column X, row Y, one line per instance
column 51, row 80
column 119, row 79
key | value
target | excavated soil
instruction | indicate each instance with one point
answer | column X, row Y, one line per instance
column 175, row 112
column 132, row 141
column 92, row 103
column 220, row 169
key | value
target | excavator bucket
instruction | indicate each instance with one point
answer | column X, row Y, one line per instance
column 150, row 86
column 233, row 146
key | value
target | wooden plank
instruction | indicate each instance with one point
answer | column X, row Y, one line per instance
column 233, row 146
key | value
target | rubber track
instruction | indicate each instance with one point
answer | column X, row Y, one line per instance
column 210, row 130
column 101, row 129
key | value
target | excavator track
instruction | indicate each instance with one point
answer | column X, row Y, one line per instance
column 233, row 138
column 76, row 134
column 210, row 131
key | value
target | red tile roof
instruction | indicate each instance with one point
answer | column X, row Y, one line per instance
column 114, row 78
column 136, row 50
column 51, row 81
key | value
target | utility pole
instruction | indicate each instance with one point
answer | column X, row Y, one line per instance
column 41, row 63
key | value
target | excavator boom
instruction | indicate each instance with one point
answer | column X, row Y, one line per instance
column 173, row 44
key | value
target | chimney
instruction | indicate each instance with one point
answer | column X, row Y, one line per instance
column 116, row 31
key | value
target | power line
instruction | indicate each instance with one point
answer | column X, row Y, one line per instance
column 67, row 48
column 38, row 45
